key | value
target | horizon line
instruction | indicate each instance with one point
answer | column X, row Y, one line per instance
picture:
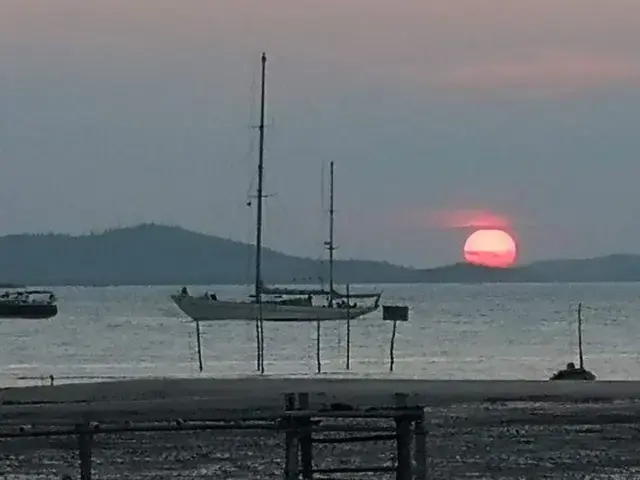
column 106, row 230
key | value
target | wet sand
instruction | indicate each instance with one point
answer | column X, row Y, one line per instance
column 477, row 429
column 249, row 393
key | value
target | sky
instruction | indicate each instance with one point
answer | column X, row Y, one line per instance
column 440, row 117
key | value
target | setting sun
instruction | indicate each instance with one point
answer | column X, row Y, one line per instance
column 490, row 248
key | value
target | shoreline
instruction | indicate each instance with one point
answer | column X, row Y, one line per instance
column 395, row 283
column 428, row 390
column 157, row 397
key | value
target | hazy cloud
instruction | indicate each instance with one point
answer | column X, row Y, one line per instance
column 453, row 219
column 546, row 74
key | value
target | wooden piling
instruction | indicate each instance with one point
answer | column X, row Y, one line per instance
column 291, row 468
column 199, row 344
column 403, row 440
column 348, row 363
column 420, row 448
column 394, row 313
column 291, row 439
column 84, row 450
column 318, row 356
column 392, row 346
column 403, row 443
column 258, row 343
column 306, row 442
column 261, row 325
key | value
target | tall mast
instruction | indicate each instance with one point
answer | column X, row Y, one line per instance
column 330, row 245
column 259, row 194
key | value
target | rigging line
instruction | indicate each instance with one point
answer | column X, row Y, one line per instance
column 248, row 161
column 321, row 224
column 250, row 252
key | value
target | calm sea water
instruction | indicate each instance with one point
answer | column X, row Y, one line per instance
column 455, row 332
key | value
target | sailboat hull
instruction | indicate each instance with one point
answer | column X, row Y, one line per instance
column 207, row 310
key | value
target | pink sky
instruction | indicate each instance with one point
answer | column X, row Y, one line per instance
column 466, row 44
column 405, row 91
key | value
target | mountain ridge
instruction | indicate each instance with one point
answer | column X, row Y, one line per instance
column 153, row 254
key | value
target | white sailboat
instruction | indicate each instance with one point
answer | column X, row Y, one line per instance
column 278, row 304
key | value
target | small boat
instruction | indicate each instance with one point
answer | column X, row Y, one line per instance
column 32, row 304
column 571, row 372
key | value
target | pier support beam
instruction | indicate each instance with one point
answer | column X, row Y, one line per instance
column 306, row 442
column 403, row 440
column 404, row 469
column 85, row 440
column 291, row 440
column 408, row 433
column 420, row 448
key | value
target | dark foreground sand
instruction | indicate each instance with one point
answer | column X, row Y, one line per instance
column 476, row 429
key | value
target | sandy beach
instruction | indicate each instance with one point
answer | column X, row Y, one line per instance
column 477, row 429
column 156, row 396
column 230, row 393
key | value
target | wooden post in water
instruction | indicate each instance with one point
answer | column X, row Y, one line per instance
column 395, row 313
column 318, row 356
column 261, row 322
column 199, row 343
column 348, row 365
column 258, row 350
column 392, row 346
column 84, row 450
column 306, row 442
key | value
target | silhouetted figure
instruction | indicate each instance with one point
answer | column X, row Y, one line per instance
column 573, row 373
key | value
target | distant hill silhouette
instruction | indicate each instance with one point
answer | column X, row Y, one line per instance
column 152, row 254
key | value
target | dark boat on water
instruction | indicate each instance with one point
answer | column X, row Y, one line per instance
column 572, row 372
column 33, row 304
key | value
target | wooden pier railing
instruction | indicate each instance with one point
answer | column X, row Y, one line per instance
column 302, row 428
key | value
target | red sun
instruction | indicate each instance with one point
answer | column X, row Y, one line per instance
column 490, row 248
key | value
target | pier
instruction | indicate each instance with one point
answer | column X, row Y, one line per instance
column 407, row 434
column 300, row 427
column 240, row 428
